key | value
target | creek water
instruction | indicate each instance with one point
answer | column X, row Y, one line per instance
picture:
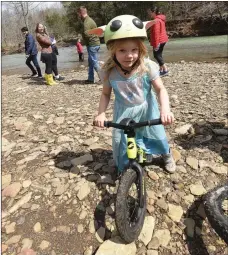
column 197, row 49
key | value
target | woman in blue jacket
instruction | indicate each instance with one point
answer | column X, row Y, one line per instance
column 31, row 53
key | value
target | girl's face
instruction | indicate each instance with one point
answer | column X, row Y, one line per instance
column 127, row 52
column 41, row 28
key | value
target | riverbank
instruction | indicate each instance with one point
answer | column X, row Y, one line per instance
column 188, row 28
column 197, row 49
column 56, row 202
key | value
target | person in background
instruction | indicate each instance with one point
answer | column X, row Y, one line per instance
column 80, row 50
column 92, row 43
column 158, row 37
column 31, row 53
column 46, row 52
column 55, row 52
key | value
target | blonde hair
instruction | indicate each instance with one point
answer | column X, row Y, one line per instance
column 112, row 47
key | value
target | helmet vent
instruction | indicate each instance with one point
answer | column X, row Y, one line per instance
column 138, row 23
column 116, row 24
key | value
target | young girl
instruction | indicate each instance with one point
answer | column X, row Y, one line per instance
column 55, row 52
column 130, row 75
column 80, row 50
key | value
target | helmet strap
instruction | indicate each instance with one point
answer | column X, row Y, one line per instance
column 124, row 70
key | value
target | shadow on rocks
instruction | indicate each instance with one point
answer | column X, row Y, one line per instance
column 79, row 82
column 100, row 170
column 195, row 213
column 213, row 135
column 199, row 236
column 33, row 80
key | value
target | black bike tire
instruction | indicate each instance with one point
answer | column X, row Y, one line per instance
column 213, row 210
column 127, row 233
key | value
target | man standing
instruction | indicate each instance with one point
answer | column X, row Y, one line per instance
column 31, row 53
column 92, row 43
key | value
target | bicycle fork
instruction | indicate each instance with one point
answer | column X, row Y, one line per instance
column 140, row 175
column 132, row 154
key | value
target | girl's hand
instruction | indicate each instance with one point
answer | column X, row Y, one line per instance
column 167, row 118
column 99, row 120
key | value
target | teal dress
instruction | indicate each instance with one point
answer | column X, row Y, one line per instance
column 136, row 99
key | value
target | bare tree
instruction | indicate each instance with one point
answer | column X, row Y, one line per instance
column 22, row 10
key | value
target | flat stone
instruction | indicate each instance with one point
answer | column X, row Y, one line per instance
column 116, row 246
column 82, row 160
column 162, row 204
column 163, row 236
column 190, row 226
column 154, row 243
column 27, row 251
column 37, row 227
column 91, row 141
column 6, row 180
column 83, row 191
column 151, row 252
column 221, row 131
column 26, row 183
column 189, row 198
column 59, row 120
column 100, row 235
column 10, row 228
column 4, row 247
column 12, row 190
column 41, row 171
column 183, row 129
column 64, row 139
column 64, row 229
column 80, row 228
column 13, row 240
column 197, row 189
column 147, row 230
column 60, row 189
column 18, row 204
column 192, row 162
column 26, row 243
column 176, row 155
column 175, row 212
column 153, row 176
column 105, row 179
column 44, row 245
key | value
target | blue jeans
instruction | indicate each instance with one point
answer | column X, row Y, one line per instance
column 33, row 58
column 92, row 60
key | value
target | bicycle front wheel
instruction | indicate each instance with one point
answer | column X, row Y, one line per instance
column 129, row 216
column 214, row 204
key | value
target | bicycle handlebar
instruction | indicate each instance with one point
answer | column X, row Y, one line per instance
column 133, row 125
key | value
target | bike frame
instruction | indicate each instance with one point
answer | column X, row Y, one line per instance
column 132, row 155
column 129, row 125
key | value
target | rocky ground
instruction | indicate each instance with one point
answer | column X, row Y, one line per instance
column 56, row 166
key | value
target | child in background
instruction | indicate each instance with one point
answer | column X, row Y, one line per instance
column 80, row 50
column 134, row 80
column 55, row 52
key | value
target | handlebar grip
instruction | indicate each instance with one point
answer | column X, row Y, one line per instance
column 155, row 122
column 107, row 123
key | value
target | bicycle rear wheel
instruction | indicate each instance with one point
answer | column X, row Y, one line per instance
column 129, row 216
column 213, row 204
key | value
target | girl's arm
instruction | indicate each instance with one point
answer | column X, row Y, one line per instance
column 167, row 116
column 104, row 101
